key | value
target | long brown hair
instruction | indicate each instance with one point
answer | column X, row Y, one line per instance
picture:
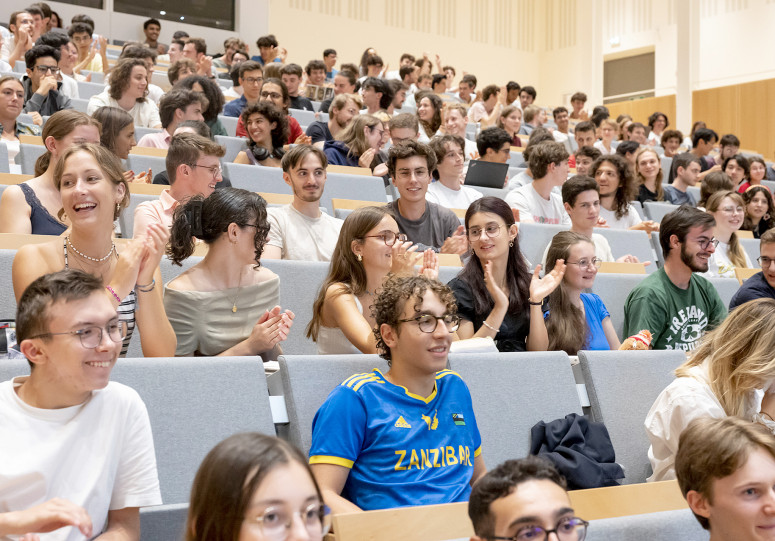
column 624, row 193
column 433, row 126
column 768, row 218
column 735, row 252
column 565, row 318
column 739, row 353
column 58, row 126
column 227, row 479
column 345, row 268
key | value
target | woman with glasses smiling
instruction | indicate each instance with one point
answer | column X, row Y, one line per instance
column 369, row 248
column 569, row 310
column 253, row 487
column 496, row 295
column 227, row 304
column 728, row 208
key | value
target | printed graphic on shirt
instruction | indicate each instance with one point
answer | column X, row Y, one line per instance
column 401, row 423
column 686, row 329
column 441, row 457
column 458, row 419
column 433, row 424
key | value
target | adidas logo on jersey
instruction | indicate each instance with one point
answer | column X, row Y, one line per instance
column 401, row 423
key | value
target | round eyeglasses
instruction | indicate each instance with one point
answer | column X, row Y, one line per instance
column 91, row 336
column 429, row 322
column 388, row 237
column 276, row 522
column 586, row 263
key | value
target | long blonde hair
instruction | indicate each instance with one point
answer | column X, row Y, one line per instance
column 735, row 251
column 740, row 354
column 660, row 175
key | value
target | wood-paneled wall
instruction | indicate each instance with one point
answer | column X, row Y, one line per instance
column 641, row 109
column 747, row 110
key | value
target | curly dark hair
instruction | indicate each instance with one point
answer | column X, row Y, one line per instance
column 212, row 92
column 207, row 218
column 273, row 114
column 391, row 299
column 121, row 76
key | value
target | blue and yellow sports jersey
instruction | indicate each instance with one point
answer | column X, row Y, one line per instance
column 402, row 449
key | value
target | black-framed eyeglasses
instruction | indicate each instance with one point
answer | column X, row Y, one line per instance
column 253, row 80
column 388, row 237
column 91, row 336
column 764, row 262
column 271, row 95
column 429, row 322
column 276, row 522
column 215, row 170
column 586, row 263
column 704, row 244
column 567, row 529
column 45, row 69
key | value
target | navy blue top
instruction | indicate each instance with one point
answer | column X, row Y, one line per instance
column 42, row 222
column 756, row 287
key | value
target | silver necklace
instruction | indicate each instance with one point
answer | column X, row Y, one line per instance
column 96, row 260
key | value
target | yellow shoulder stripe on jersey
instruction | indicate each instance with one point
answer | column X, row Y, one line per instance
column 478, row 451
column 349, row 381
column 335, row 460
column 443, row 373
column 363, row 382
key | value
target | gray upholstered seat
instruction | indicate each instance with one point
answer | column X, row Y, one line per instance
column 164, row 522
column 656, row 210
column 28, row 155
column 680, row 524
column 622, row 386
column 613, row 290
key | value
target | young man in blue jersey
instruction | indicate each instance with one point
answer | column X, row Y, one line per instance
column 409, row 436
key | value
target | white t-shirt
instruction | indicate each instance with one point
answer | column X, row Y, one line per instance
column 451, row 199
column 145, row 113
column 684, row 400
column 301, row 237
column 719, row 264
column 69, row 87
column 627, row 221
column 519, row 180
column 534, row 208
column 98, row 455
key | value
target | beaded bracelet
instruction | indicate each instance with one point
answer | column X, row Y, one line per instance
column 118, row 299
column 146, row 288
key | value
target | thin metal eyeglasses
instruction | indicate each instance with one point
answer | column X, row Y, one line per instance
column 586, row 263
column 429, row 322
column 253, row 80
column 492, row 231
column 91, row 336
column 567, row 529
column 388, row 237
column 764, row 262
column 406, row 174
column 276, row 522
column 215, row 170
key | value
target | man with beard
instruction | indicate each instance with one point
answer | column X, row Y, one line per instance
column 301, row 230
column 343, row 109
column 675, row 304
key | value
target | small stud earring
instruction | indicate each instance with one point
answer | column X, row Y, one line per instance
column 359, row 257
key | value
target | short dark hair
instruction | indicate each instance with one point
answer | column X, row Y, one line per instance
column 151, row 21
column 404, row 120
column 489, row 90
column 199, row 126
column 438, row 78
column 403, row 71
column 173, row 73
column 626, row 147
column 187, row 148
column 291, row 69
column 374, row 60
column 529, row 90
column 200, row 45
column 211, row 91
column 407, row 149
column 80, row 28
column 297, row 153
column 53, row 39
column 632, row 127
column 178, row 42
column 741, row 160
column 83, row 18
column 558, row 110
column 328, row 52
column 682, row 160
column 43, row 7
column 439, row 145
column 678, row 223
column 407, row 56
column 138, row 50
column 314, row 64
column 512, row 85
column 391, row 300
column 729, row 139
column 704, row 134
column 178, row 98
column 250, row 65
column 469, row 78
column 40, row 51
column 585, row 126
column 34, row 10
column 671, row 134
column 502, row 481
column 350, row 75
column 492, row 137
column 65, row 285
column 576, row 185
column 379, row 85
column 655, row 116
column 578, row 96
column 588, row 152
column 267, row 41
column 544, row 154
